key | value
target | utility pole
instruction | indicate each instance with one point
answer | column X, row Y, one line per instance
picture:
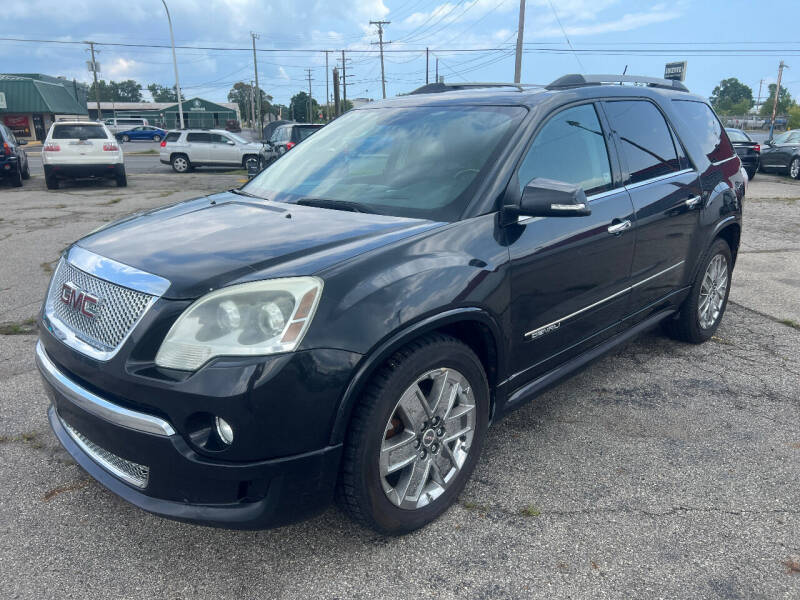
column 96, row 85
column 252, row 106
column 255, row 36
column 175, row 66
column 437, row 69
column 344, row 83
column 310, row 109
column 336, row 106
column 781, row 67
column 758, row 100
column 520, row 31
column 380, row 25
column 327, row 91
column 427, row 60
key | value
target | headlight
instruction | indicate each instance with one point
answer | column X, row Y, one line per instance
column 249, row 319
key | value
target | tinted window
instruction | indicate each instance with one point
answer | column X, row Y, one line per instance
column 199, row 138
column 571, row 148
column 647, row 146
column 424, row 162
column 705, row 128
column 301, row 133
column 173, row 136
column 79, row 132
column 736, row 135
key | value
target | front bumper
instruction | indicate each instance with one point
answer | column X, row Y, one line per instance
column 180, row 483
column 78, row 171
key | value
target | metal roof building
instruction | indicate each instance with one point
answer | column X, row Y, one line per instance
column 197, row 112
column 30, row 102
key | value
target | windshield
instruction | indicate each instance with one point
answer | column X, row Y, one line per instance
column 736, row 135
column 422, row 162
column 238, row 138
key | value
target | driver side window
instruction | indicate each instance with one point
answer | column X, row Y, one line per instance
column 570, row 147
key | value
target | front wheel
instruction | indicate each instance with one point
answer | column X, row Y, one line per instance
column 702, row 311
column 750, row 173
column 415, row 436
column 794, row 168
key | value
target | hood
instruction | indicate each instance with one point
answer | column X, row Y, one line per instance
column 214, row 241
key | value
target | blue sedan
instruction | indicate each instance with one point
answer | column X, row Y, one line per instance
column 146, row 132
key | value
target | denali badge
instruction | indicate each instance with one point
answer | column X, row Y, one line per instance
column 536, row 333
column 79, row 300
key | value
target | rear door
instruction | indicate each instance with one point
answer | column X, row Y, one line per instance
column 665, row 191
column 569, row 275
column 198, row 146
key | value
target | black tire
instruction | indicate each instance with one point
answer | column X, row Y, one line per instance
column 26, row 172
column 751, row 173
column 181, row 163
column 156, row 138
column 794, row 168
column 359, row 491
column 687, row 327
column 247, row 157
column 51, row 182
column 125, row 138
column 16, row 178
column 122, row 179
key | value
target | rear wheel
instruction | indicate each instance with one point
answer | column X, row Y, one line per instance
column 156, row 138
column 126, row 138
column 751, row 172
column 51, row 181
column 794, row 168
column 702, row 311
column 415, row 436
column 122, row 179
column 26, row 172
column 180, row 163
column 16, row 178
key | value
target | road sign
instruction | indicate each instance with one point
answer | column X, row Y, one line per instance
column 675, row 70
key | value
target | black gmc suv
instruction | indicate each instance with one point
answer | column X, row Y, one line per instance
column 349, row 323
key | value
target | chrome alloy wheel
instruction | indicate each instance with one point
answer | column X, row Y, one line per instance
column 712, row 291
column 794, row 168
column 181, row 164
column 427, row 438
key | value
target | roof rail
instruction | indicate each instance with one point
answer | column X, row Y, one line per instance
column 577, row 80
column 435, row 88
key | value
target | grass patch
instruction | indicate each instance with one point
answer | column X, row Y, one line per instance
column 30, row 438
column 166, row 193
column 25, row 327
column 530, row 511
column 789, row 323
column 112, row 201
column 471, row 506
column 47, row 267
column 151, row 151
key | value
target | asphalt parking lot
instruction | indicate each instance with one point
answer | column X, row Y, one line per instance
column 662, row 471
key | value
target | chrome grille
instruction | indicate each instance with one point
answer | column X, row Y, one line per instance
column 129, row 471
column 118, row 311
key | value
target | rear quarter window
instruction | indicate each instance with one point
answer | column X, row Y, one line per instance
column 704, row 128
column 79, row 132
column 173, row 136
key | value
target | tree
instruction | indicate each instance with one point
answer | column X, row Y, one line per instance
column 732, row 93
column 298, row 108
column 113, row 91
column 785, row 101
column 794, row 117
column 240, row 93
column 163, row 93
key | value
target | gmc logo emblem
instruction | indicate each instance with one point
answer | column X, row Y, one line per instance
column 78, row 300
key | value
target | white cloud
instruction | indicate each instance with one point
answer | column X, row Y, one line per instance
column 282, row 73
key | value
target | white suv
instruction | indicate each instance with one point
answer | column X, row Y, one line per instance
column 191, row 148
column 78, row 149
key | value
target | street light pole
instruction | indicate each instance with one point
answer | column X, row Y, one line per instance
column 175, row 64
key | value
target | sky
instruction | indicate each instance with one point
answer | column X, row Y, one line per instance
column 719, row 39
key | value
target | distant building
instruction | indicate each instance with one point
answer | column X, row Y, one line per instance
column 197, row 112
column 359, row 102
column 31, row 102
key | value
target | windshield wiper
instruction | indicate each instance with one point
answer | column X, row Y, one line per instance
column 335, row 204
column 240, row 192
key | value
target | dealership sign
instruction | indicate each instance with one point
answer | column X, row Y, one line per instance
column 675, row 70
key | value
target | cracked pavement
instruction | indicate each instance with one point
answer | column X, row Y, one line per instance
column 664, row 470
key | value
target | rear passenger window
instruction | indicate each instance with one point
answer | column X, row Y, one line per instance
column 79, row 132
column 647, row 146
column 199, row 138
column 701, row 121
column 172, row 136
column 570, row 147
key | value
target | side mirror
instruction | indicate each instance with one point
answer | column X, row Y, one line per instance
column 550, row 198
column 22, row 142
column 230, row 143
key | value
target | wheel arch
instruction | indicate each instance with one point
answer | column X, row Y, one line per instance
column 473, row 326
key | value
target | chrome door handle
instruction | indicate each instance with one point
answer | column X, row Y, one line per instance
column 619, row 227
column 692, row 202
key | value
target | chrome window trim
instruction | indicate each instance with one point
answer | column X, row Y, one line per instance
column 632, row 186
column 94, row 404
column 117, row 272
column 719, row 162
column 533, row 333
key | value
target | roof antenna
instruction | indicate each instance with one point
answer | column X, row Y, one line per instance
column 625, row 70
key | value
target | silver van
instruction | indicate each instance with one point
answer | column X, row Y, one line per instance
column 119, row 124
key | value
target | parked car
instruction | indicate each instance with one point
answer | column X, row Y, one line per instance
column 119, row 124
column 351, row 321
column 749, row 151
column 782, row 153
column 270, row 128
column 286, row 137
column 190, row 148
column 79, row 150
column 143, row 132
column 233, row 125
column 13, row 158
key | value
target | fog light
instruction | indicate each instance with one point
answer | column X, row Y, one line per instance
column 224, row 431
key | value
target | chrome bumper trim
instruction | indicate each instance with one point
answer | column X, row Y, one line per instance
column 94, row 404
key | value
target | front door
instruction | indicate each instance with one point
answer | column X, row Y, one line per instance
column 38, row 127
column 569, row 275
column 224, row 150
column 666, row 197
